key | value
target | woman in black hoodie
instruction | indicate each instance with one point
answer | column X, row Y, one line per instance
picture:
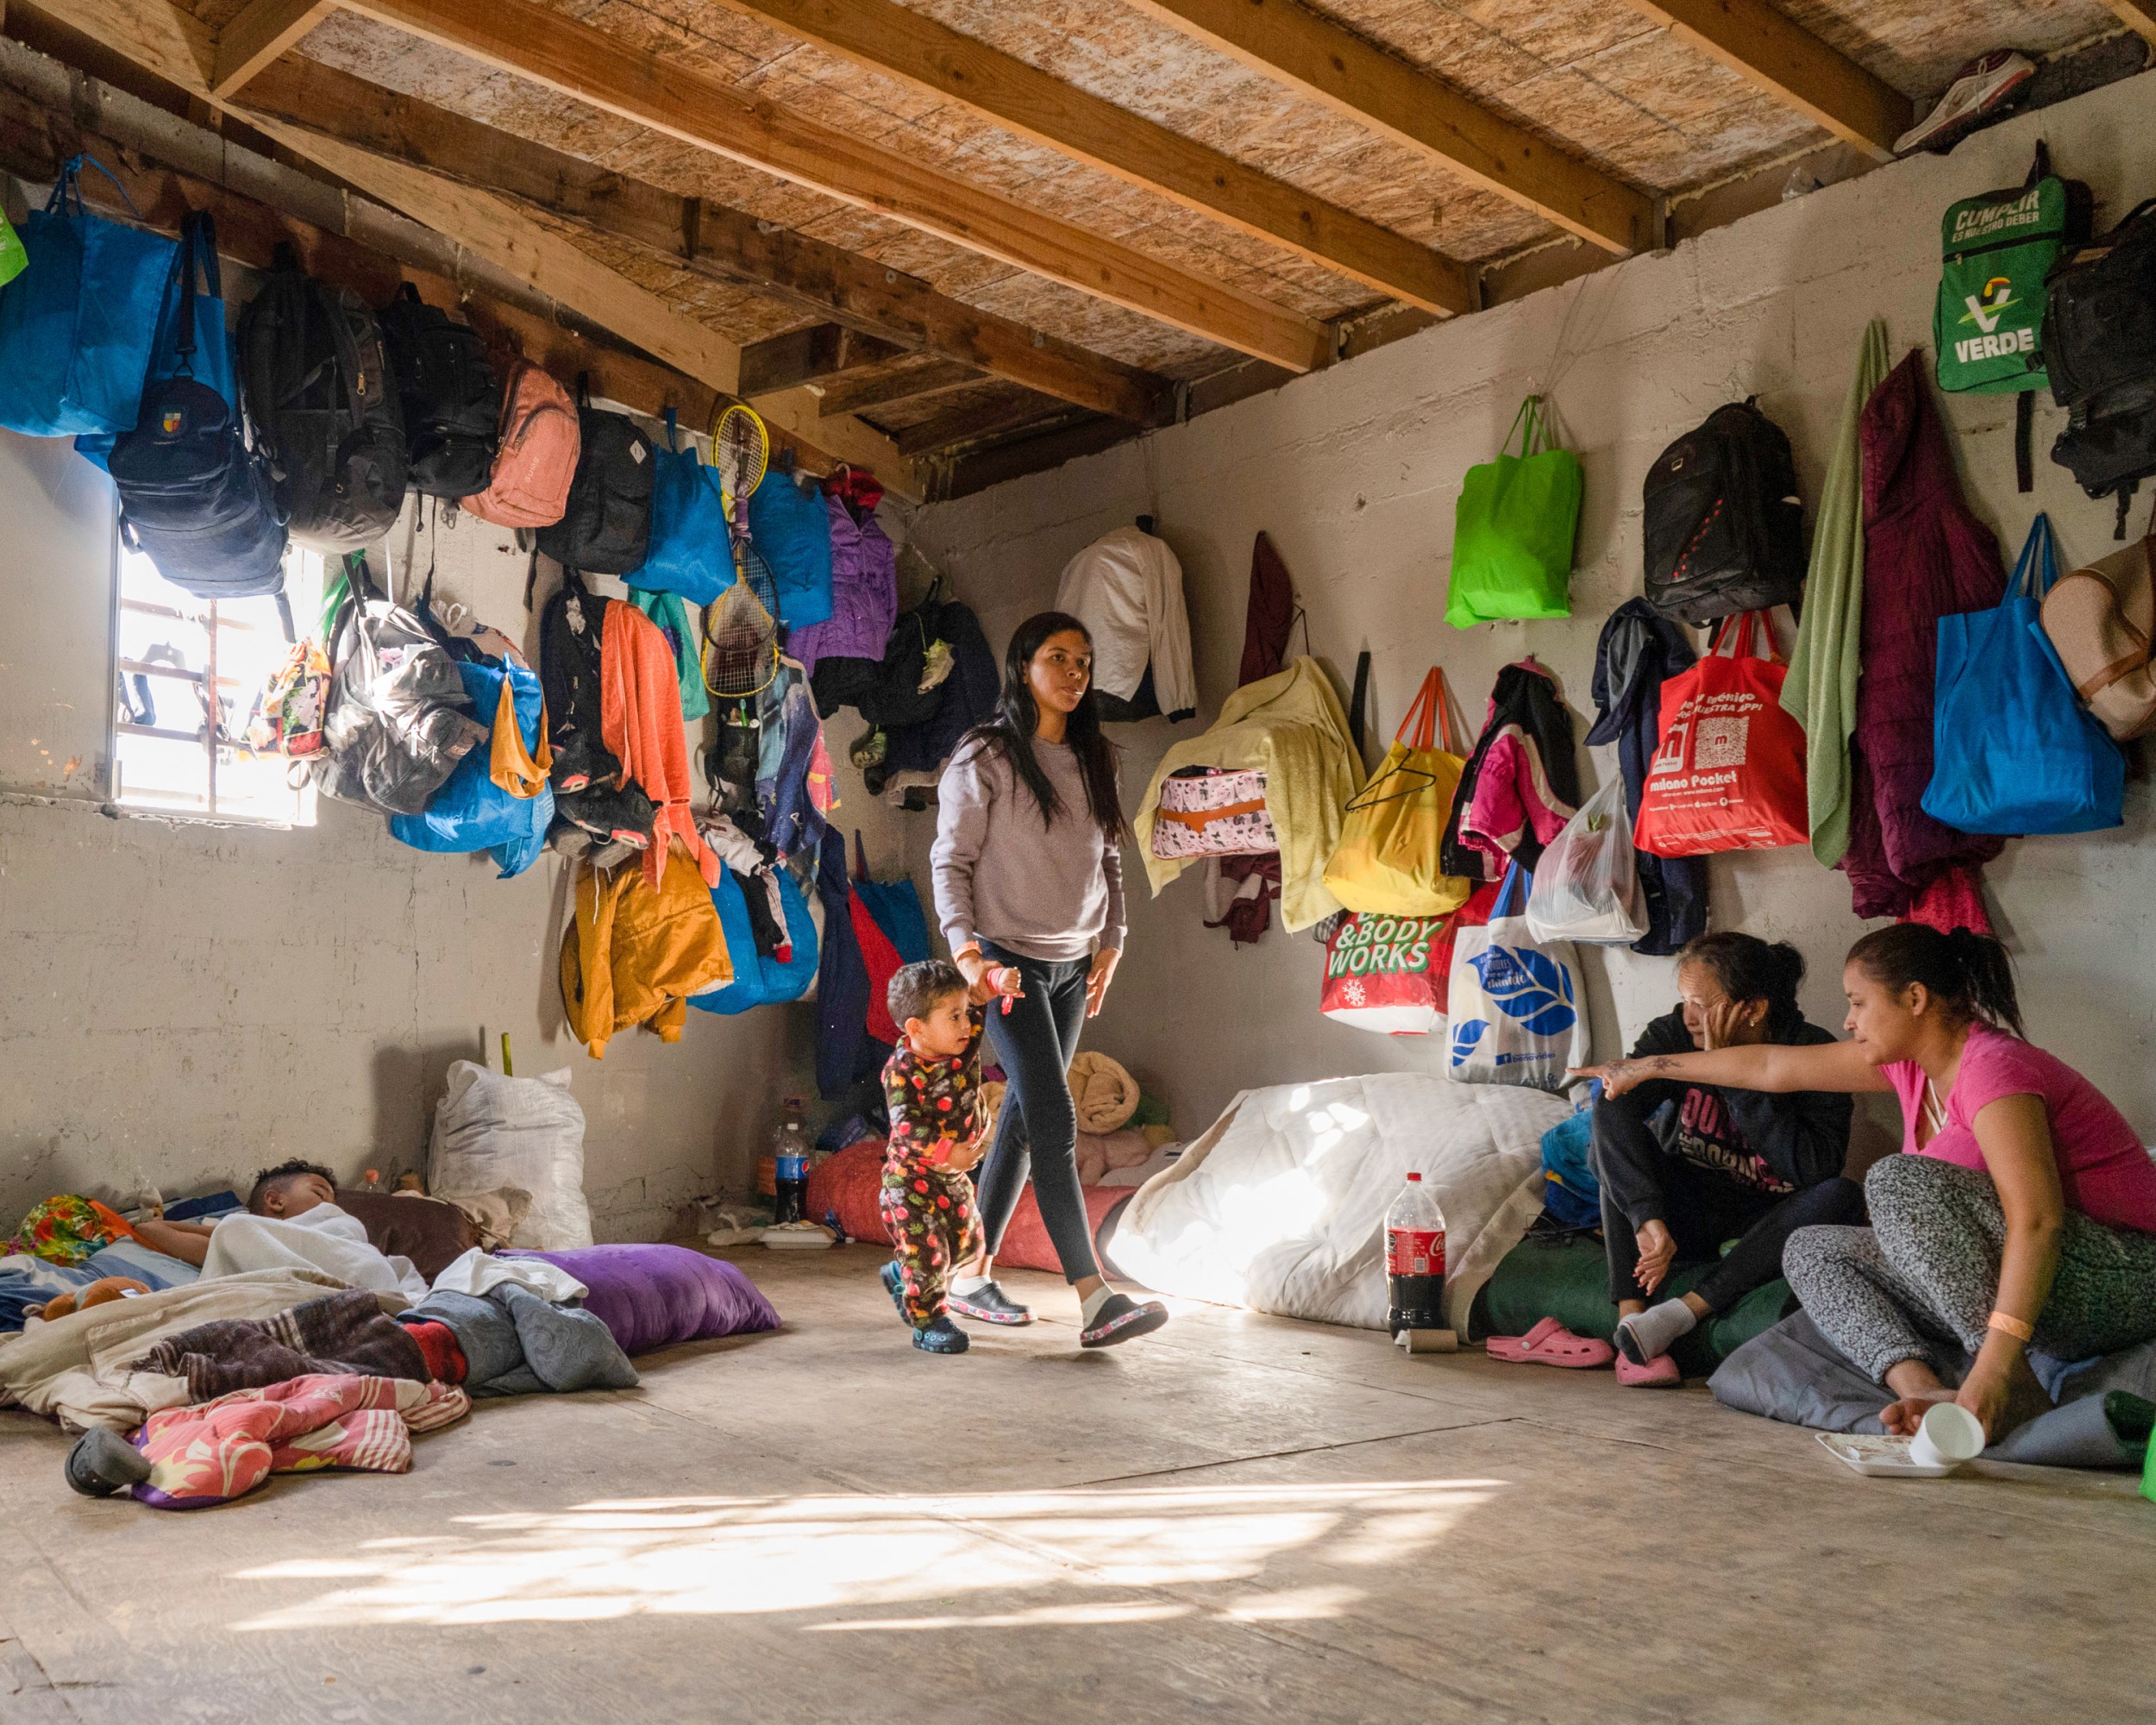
column 1685, row 1168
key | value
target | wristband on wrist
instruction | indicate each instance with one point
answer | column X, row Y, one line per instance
column 2011, row 1325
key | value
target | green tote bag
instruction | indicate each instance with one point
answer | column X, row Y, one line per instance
column 1511, row 539
column 13, row 258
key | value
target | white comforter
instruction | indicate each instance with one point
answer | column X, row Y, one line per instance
column 1281, row 1205
column 324, row 1238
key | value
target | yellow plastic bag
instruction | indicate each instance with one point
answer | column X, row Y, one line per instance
column 1386, row 860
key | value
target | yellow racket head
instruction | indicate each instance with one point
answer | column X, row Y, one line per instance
column 741, row 450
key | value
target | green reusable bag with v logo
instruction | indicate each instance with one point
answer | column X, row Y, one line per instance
column 1512, row 537
column 1997, row 251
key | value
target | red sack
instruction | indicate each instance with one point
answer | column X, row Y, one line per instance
column 1729, row 775
column 1388, row 974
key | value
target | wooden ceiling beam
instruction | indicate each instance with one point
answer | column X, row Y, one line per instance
column 533, row 42
column 806, row 355
column 2138, row 15
column 969, row 423
column 1326, row 63
column 882, row 388
column 1763, row 47
column 258, row 36
column 726, row 245
column 916, row 49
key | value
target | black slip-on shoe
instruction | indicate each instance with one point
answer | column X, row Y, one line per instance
column 1120, row 1320
column 102, row 1462
column 990, row 1305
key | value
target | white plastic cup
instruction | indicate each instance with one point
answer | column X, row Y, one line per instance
column 1949, row 1436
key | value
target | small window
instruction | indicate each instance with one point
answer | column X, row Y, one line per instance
column 186, row 672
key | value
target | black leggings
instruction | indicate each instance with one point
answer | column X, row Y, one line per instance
column 1038, row 1127
column 1700, row 1208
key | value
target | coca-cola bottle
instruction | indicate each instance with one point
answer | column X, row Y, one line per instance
column 1415, row 1260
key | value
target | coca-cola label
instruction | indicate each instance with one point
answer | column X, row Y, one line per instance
column 1414, row 1251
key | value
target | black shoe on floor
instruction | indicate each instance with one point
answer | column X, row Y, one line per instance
column 941, row 1336
column 104, row 1462
column 1120, row 1318
column 989, row 1304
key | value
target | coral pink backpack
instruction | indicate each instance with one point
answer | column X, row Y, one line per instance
column 537, row 457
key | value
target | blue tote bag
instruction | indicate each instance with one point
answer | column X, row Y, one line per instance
column 210, row 362
column 77, row 326
column 2013, row 750
column 758, row 981
column 791, row 529
column 692, row 549
column 474, row 811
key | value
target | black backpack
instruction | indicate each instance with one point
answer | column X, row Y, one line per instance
column 317, row 389
column 606, row 528
column 452, row 399
column 2099, row 346
column 195, row 498
column 1725, row 527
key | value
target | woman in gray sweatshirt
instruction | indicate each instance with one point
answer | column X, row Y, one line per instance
column 1028, row 870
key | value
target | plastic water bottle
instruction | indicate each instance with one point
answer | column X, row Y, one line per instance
column 790, row 1154
column 1415, row 1260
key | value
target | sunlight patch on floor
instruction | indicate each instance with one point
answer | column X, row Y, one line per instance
column 1077, row 1557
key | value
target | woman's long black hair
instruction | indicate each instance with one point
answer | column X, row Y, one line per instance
column 1750, row 969
column 1968, row 974
column 1010, row 733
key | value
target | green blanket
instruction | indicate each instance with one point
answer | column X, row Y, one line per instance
column 1568, row 1279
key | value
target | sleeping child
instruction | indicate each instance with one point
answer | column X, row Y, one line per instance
column 932, row 1085
column 291, row 1221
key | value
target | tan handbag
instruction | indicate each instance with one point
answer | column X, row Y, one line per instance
column 2100, row 621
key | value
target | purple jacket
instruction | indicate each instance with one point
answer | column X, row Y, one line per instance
column 1925, row 556
column 864, row 594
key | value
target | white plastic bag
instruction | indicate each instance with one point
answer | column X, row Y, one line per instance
column 1517, row 1016
column 491, row 1131
column 1586, row 886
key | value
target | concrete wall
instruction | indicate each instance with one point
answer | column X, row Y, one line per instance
column 185, row 1002
column 1355, row 473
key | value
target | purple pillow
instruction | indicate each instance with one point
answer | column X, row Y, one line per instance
column 652, row 1296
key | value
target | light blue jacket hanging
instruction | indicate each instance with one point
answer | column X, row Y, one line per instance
column 77, row 325
column 690, row 550
column 2013, row 750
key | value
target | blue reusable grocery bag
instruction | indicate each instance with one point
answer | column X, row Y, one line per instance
column 211, row 361
column 692, row 551
column 1572, row 1193
column 894, row 906
column 2013, row 750
column 472, row 810
column 791, row 529
column 77, row 325
column 758, row 981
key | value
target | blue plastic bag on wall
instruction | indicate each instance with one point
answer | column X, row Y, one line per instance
column 474, row 811
column 761, row 980
column 2014, row 750
column 792, row 528
column 692, row 551
column 210, row 362
column 77, row 327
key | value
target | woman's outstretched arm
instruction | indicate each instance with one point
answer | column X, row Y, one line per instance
column 1757, row 1066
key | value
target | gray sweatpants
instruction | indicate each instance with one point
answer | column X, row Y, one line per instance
column 1926, row 1272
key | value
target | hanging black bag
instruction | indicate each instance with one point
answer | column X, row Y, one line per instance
column 1725, row 526
column 451, row 399
column 2099, row 346
column 326, row 413
column 194, row 498
column 606, row 528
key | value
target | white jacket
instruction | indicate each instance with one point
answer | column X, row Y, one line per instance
column 1127, row 588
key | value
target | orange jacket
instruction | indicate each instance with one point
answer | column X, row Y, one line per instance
column 635, row 953
column 640, row 719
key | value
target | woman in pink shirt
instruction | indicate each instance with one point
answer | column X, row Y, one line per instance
column 2023, row 1208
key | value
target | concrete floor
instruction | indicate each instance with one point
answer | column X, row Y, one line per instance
column 1243, row 1517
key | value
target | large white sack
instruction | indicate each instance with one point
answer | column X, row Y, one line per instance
column 491, row 1131
column 1281, row 1205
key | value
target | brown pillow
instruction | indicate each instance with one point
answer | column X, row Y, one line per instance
column 432, row 1233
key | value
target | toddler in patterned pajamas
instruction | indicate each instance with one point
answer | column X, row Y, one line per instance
column 931, row 1084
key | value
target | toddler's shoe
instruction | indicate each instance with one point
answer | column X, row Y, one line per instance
column 894, row 1285
column 941, row 1337
column 990, row 1305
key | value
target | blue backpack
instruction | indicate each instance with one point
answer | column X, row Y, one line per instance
column 211, row 360
column 758, row 981
column 195, row 498
column 692, row 551
column 77, row 325
column 791, row 529
column 478, row 807
column 2013, row 749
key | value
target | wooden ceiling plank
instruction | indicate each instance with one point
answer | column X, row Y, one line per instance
column 969, row 424
column 2138, row 15
column 929, row 56
column 258, row 36
column 881, row 389
column 1765, row 47
column 805, row 355
column 1326, row 63
column 729, row 245
column 532, row 42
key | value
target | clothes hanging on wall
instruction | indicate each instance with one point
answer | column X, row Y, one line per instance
column 1925, row 554
column 634, row 953
column 1127, row 588
column 1637, row 649
column 864, row 588
column 641, row 723
column 1521, row 784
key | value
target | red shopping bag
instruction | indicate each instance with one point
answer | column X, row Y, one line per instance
column 1389, row 973
column 1729, row 773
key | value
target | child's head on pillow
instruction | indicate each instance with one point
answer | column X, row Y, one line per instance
column 291, row 1188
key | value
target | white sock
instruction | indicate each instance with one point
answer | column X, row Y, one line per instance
column 1656, row 1328
column 964, row 1285
column 1089, row 1307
